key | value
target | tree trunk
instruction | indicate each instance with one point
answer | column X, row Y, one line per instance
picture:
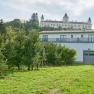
column 0, row 73
column 32, row 67
column 28, row 67
column 18, row 67
column 37, row 66
column 9, row 67
column 43, row 63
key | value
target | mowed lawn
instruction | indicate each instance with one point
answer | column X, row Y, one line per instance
column 51, row 80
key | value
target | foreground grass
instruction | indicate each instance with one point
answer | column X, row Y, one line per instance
column 53, row 80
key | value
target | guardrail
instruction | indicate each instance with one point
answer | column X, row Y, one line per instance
column 68, row 40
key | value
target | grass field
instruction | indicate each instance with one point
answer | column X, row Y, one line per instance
column 51, row 80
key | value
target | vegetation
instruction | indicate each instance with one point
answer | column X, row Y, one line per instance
column 51, row 80
column 27, row 26
column 16, row 24
column 22, row 48
column 59, row 55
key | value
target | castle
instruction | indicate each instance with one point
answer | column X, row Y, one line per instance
column 66, row 24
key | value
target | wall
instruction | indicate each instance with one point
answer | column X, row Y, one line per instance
column 79, row 47
column 68, row 35
column 73, row 25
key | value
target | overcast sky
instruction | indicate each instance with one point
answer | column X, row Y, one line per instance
column 78, row 10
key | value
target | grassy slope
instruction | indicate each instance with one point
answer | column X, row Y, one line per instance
column 63, row 80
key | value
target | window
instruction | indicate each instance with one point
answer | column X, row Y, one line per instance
column 82, row 36
column 62, row 37
column 71, row 36
column 45, row 38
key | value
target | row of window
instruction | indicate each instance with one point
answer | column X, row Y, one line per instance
column 70, row 26
column 81, row 36
column 61, row 36
column 91, row 36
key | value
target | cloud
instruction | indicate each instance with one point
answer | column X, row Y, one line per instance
column 52, row 9
column 75, row 6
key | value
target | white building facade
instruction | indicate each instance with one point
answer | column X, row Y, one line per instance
column 66, row 24
column 75, row 35
column 79, row 40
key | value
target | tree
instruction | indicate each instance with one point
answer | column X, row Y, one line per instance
column 59, row 55
column 2, row 26
column 8, row 48
column 37, row 60
column 59, row 51
column 16, row 24
column 50, row 50
column 19, row 46
column 28, row 26
column 9, row 54
column 67, row 56
column 35, row 44
column 2, row 61
column 43, row 55
column 31, row 24
column 27, row 55
column 31, row 49
column 3, row 30
column 37, row 56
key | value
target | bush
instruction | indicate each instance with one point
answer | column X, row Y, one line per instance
column 59, row 55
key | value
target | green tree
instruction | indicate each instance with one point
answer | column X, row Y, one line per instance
column 31, row 24
column 37, row 55
column 8, row 48
column 2, row 61
column 50, row 50
column 37, row 60
column 35, row 42
column 31, row 48
column 2, row 26
column 59, row 55
column 16, row 24
column 3, row 30
column 43, row 55
column 67, row 56
column 27, row 55
column 19, row 46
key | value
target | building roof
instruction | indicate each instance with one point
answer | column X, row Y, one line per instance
column 67, row 31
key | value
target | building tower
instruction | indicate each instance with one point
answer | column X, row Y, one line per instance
column 42, row 18
column 34, row 16
column 89, row 20
column 65, row 18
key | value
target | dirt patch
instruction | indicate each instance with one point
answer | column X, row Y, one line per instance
column 54, row 91
column 7, row 78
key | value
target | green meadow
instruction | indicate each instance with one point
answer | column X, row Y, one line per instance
column 51, row 80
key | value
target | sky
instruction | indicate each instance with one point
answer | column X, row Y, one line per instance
column 77, row 10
